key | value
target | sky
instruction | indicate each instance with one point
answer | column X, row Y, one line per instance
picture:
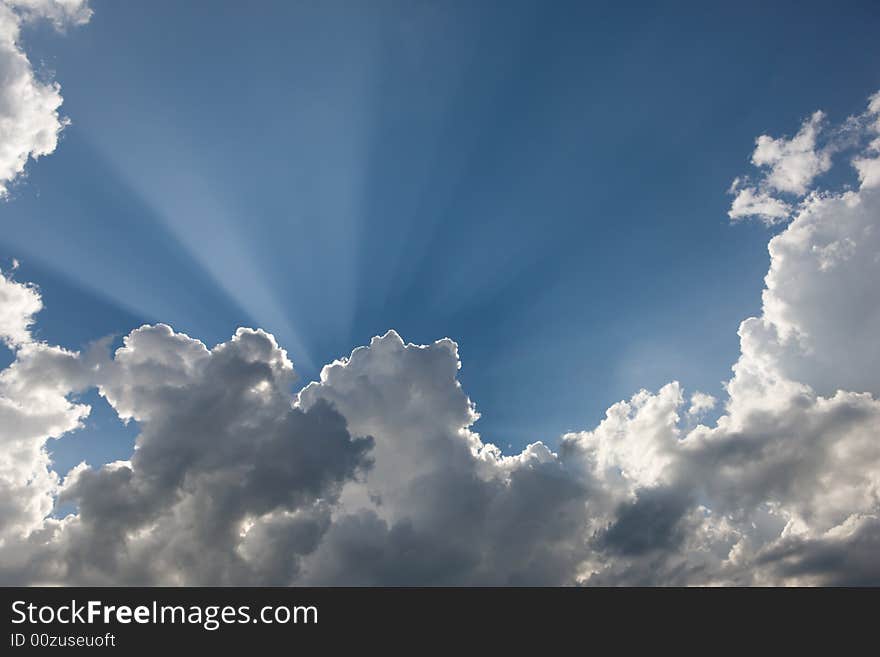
column 522, row 181
column 557, row 187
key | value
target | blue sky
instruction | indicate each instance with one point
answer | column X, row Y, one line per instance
column 544, row 184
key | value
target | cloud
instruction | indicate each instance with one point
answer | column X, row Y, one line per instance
column 642, row 498
column 34, row 407
column 751, row 202
column 439, row 506
column 374, row 474
column 792, row 164
column 701, row 403
column 820, row 313
column 846, row 557
column 221, row 453
column 29, row 119
column 19, row 304
column 60, row 13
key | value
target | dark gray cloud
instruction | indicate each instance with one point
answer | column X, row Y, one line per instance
column 848, row 558
column 465, row 531
column 220, row 444
column 652, row 522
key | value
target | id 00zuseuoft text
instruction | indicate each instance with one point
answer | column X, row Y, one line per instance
column 47, row 640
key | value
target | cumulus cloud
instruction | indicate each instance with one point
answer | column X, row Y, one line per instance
column 30, row 122
column 374, row 474
column 789, row 167
column 868, row 165
column 787, row 482
column 701, row 403
column 221, row 453
column 60, row 13
column 786, row 165
column 19, row 303
column 439, row 506
column 34, row 407
column 792, row 164
column 751, row 202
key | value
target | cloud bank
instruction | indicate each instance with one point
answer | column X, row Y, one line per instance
column 375, row 475
column 29, row 120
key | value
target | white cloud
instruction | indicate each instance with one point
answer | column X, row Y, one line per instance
column 439, row 506
column 869, row 168
column 29, row 119
column 868, row 165
column 821, row 310
column 18, row 305
column 34, row 407
column 751, row 202
column 60, row 13
column 790, row 166
column 793, row 163
column 701, row 403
